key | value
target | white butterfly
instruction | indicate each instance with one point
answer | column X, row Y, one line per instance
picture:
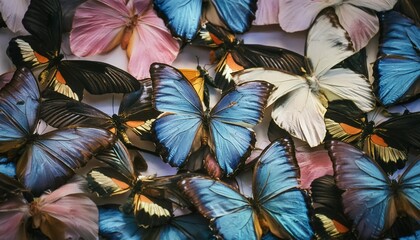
column 300, row 101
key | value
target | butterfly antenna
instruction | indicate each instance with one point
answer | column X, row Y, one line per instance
column 198, row 60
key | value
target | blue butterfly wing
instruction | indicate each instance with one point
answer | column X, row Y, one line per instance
column 181, row 16
column 410, row 185
column 190, row 226
column 231, row 121
column 231, row 213
column 398, row 68
column 367, row 196
column 275, row 188
column 6, row 167
column 174, row 95
column 236, row 14
column 116, row 225
column 49, row 161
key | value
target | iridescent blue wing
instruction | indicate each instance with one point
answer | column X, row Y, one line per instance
column 230, row 213
column 368, row 196
column 231, row 121
column 276, row 190
column 6, row 167
column 174, row 94
column 182, row 17
column 237, row 15
column 397, row 70
column 410, row 188
column 115, row 225
column 49, row 160
column 19, row 103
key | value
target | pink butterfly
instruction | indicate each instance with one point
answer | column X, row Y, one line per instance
column 65, row 213
column 100, row 25
column 297, row 15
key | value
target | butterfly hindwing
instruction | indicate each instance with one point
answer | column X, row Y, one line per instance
column 283, row 204
column 229, row 131
column 227, row 209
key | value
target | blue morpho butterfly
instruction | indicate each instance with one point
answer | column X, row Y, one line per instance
column 41, row 49
column 397, row 70
column 372, row 199
column 185, row 127
column 116, row 225
column 278, row 205
column 43, row 161
column 184, row 17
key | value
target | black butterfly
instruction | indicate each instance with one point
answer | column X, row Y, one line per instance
column 68, row 77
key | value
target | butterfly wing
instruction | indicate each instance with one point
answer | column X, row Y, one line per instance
column 344, row 121
column 174, row 95
column 12, row 13
column 19, row 102
column 397, row 70
column 50, row 159
column 236, row 15
column 275, row 189
column 231, row 121
column 409, row 184
column 230, row 213
column 137, row 111
column 58, row 218
column 364, row 182
column 182, row 18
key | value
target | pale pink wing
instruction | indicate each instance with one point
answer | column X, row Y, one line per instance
column 67, row 213
column 359, row 24
column 12, row 12
column 98, row 26
column 267, row 12
column 313, row 164
column 5, row 78
column 297, row 15
column 13, row 215
column 151, row 42
column 377, row 5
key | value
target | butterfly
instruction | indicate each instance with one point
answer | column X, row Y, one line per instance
column 410, row 8
column 300, row 102
column 372, row 199
column 151, row 198
column 11, row 14
column 41, row 49
column 136, row 114
column 115, row 225
column 356, row 17
column 65, row 213
column 43, row 161
column 184, row 18
column 329, row 219
column 133, row 24
column 397, row 69
column 232, row 55
column 278, row 205
column 386, row 141
column 226, row 129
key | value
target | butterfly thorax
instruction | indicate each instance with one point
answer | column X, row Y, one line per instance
column 313, row 83
column 368, row 129
column 118, row 122
column 128, row 30
column 56, row 60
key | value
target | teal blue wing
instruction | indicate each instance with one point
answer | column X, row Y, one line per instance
column 181, row 16
column 276, row 190
column 397, row 70
column 182, row 120
column 236, row 14
column 230, row 213
column 116, row 225
column 410, row 187
column 368, row 195
column 231, row 121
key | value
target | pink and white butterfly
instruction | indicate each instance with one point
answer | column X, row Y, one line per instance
column 100, row 25
column 356, row 16
column 12, row 12
column 65, row 213
column 299, row 102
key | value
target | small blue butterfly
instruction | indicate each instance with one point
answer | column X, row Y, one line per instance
column 184, row 126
